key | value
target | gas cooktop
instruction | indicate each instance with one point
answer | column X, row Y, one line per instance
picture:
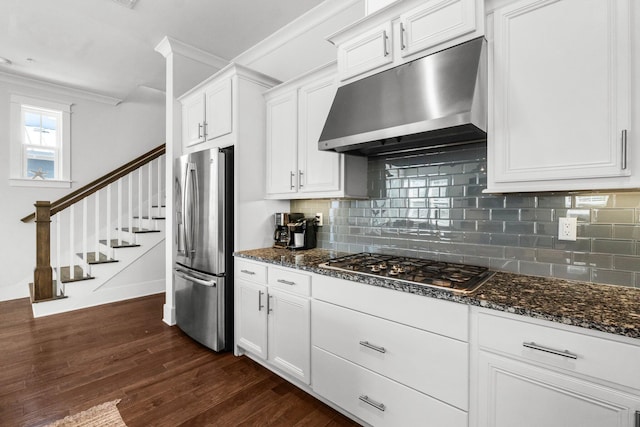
column 444, row 275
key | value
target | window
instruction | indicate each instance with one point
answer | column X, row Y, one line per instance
column 39, row 142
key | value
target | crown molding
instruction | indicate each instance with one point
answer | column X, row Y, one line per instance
column 314, row 17
column 19, row 79
column 169, row 45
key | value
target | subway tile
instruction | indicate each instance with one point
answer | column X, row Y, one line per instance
column 613, row 277
column 508, row 265
column 505, row 214
column 553, row 256
column 524, row 254
column 477, row 238
column 520, row 201
column 491, row 202
column 464, row 225
column 546, row 228
column 536, row 241
column 580, row 245
column 571, row 272
column 613, row 216
column 585, row 259
column 490, row 226
column 464, row 179
column 604, row 231
column 628, row 263
column 475, row 260
column 582, row 215
column 620, row 247
column 474, row 190
column 627, row 200
column 554, row 202
column 490, row 251
column 512, row 227
column 534, row 268
column 536, row 215
column 504, row 239
column 593, row 201
column 626, row 232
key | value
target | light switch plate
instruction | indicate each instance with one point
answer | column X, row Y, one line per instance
column 319, row 218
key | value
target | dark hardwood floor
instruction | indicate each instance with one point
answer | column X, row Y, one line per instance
column 59, row 365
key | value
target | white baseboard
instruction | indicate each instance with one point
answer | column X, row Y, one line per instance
column 103, row 296
column 16, row 291
column 169, row 315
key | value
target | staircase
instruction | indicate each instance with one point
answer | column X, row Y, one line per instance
column 107, row 239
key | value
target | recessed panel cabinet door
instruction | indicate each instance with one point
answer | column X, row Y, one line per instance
column 193, row 119
column 561, row 93
column 282, row 143
column 252, row 317
column 290, row 334
column 514, row 393
column 219, row 109
column 320, row 170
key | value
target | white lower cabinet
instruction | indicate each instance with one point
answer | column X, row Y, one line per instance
column 375, row 356
column 272, row 323
column 534, row 374
column 377, row 399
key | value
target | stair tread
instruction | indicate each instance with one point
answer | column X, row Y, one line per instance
column 65, row 276
column 139, row 230
column 114, row 244
column 101, row 259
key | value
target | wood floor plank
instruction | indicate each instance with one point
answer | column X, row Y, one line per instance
column 59, row 365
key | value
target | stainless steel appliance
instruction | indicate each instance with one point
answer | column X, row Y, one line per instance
column 204, row 242
column 460, row 278
column 433, row 101
column 281, row 235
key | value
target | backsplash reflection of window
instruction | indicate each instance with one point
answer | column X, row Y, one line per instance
column 432, row 206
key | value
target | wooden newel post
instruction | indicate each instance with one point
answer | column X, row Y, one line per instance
column 43, row 274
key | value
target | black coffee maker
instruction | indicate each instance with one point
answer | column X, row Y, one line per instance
column 282, row 238
column 303, row 234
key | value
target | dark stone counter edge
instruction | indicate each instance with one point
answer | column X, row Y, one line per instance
column 451, row 296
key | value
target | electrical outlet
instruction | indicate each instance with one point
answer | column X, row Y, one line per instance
column 567, row 228
column 319, row 218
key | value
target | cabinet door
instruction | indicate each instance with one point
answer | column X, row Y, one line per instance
column 193, row 119
column 561, row 93
column 319, row 171
column 435, row 22
column 252, row 317
column 289, row 334
column 282, row 130
column 219, row 109
column 365, row 52
column 513, row 393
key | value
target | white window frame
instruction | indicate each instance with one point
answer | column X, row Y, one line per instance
column 17, row 151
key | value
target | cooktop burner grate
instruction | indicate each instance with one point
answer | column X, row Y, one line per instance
column 445, row 275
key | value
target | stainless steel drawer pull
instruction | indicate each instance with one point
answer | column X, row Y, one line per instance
column 260, row 306
column 373, row 347
column 291, row 184
column 286, row 282
column 384, row 43
column 624, row 149
column 379, row 406
column 269, row 307
column 403, row 46
column 565, row 353
column 249, row 272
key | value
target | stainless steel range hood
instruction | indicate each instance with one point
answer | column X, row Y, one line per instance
column 430, row 102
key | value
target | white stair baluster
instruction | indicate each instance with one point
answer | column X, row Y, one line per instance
column 140, row 198
column 150, row 193
column 159, row 197
column 97, row 226
column 109, row 248
column 119, row 212
column 59, row 284
column 72, row 251
column 85, row 268
column 130, row 209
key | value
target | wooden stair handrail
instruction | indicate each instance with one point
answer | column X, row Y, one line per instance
column 101, row 182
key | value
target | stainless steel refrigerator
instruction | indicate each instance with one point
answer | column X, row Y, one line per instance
column 204, row 242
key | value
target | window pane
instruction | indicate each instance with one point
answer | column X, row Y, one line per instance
column 40, row 163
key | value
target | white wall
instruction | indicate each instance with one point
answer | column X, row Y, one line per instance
column 103, row 137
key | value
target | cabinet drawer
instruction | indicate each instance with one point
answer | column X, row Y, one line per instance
column 441, row 317
column 291, row 281
column 251, row 271
column 430, row 363
column 375, row 399
column 588, row 355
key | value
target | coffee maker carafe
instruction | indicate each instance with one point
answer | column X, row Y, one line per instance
column 282, row 237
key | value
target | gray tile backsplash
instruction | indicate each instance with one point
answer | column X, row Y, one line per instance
column 432, row 205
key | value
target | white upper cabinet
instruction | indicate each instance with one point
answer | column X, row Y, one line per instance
column 193, row 119
column 403, row 31
column 296, row 112
column 560, row 110
column 219, row 109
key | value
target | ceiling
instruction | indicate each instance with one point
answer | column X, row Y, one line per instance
column 108, row 49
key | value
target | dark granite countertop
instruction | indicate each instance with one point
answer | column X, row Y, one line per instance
column 606, row 308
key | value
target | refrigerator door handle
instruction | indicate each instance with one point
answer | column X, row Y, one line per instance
column 185, row 213
column 184, row 275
